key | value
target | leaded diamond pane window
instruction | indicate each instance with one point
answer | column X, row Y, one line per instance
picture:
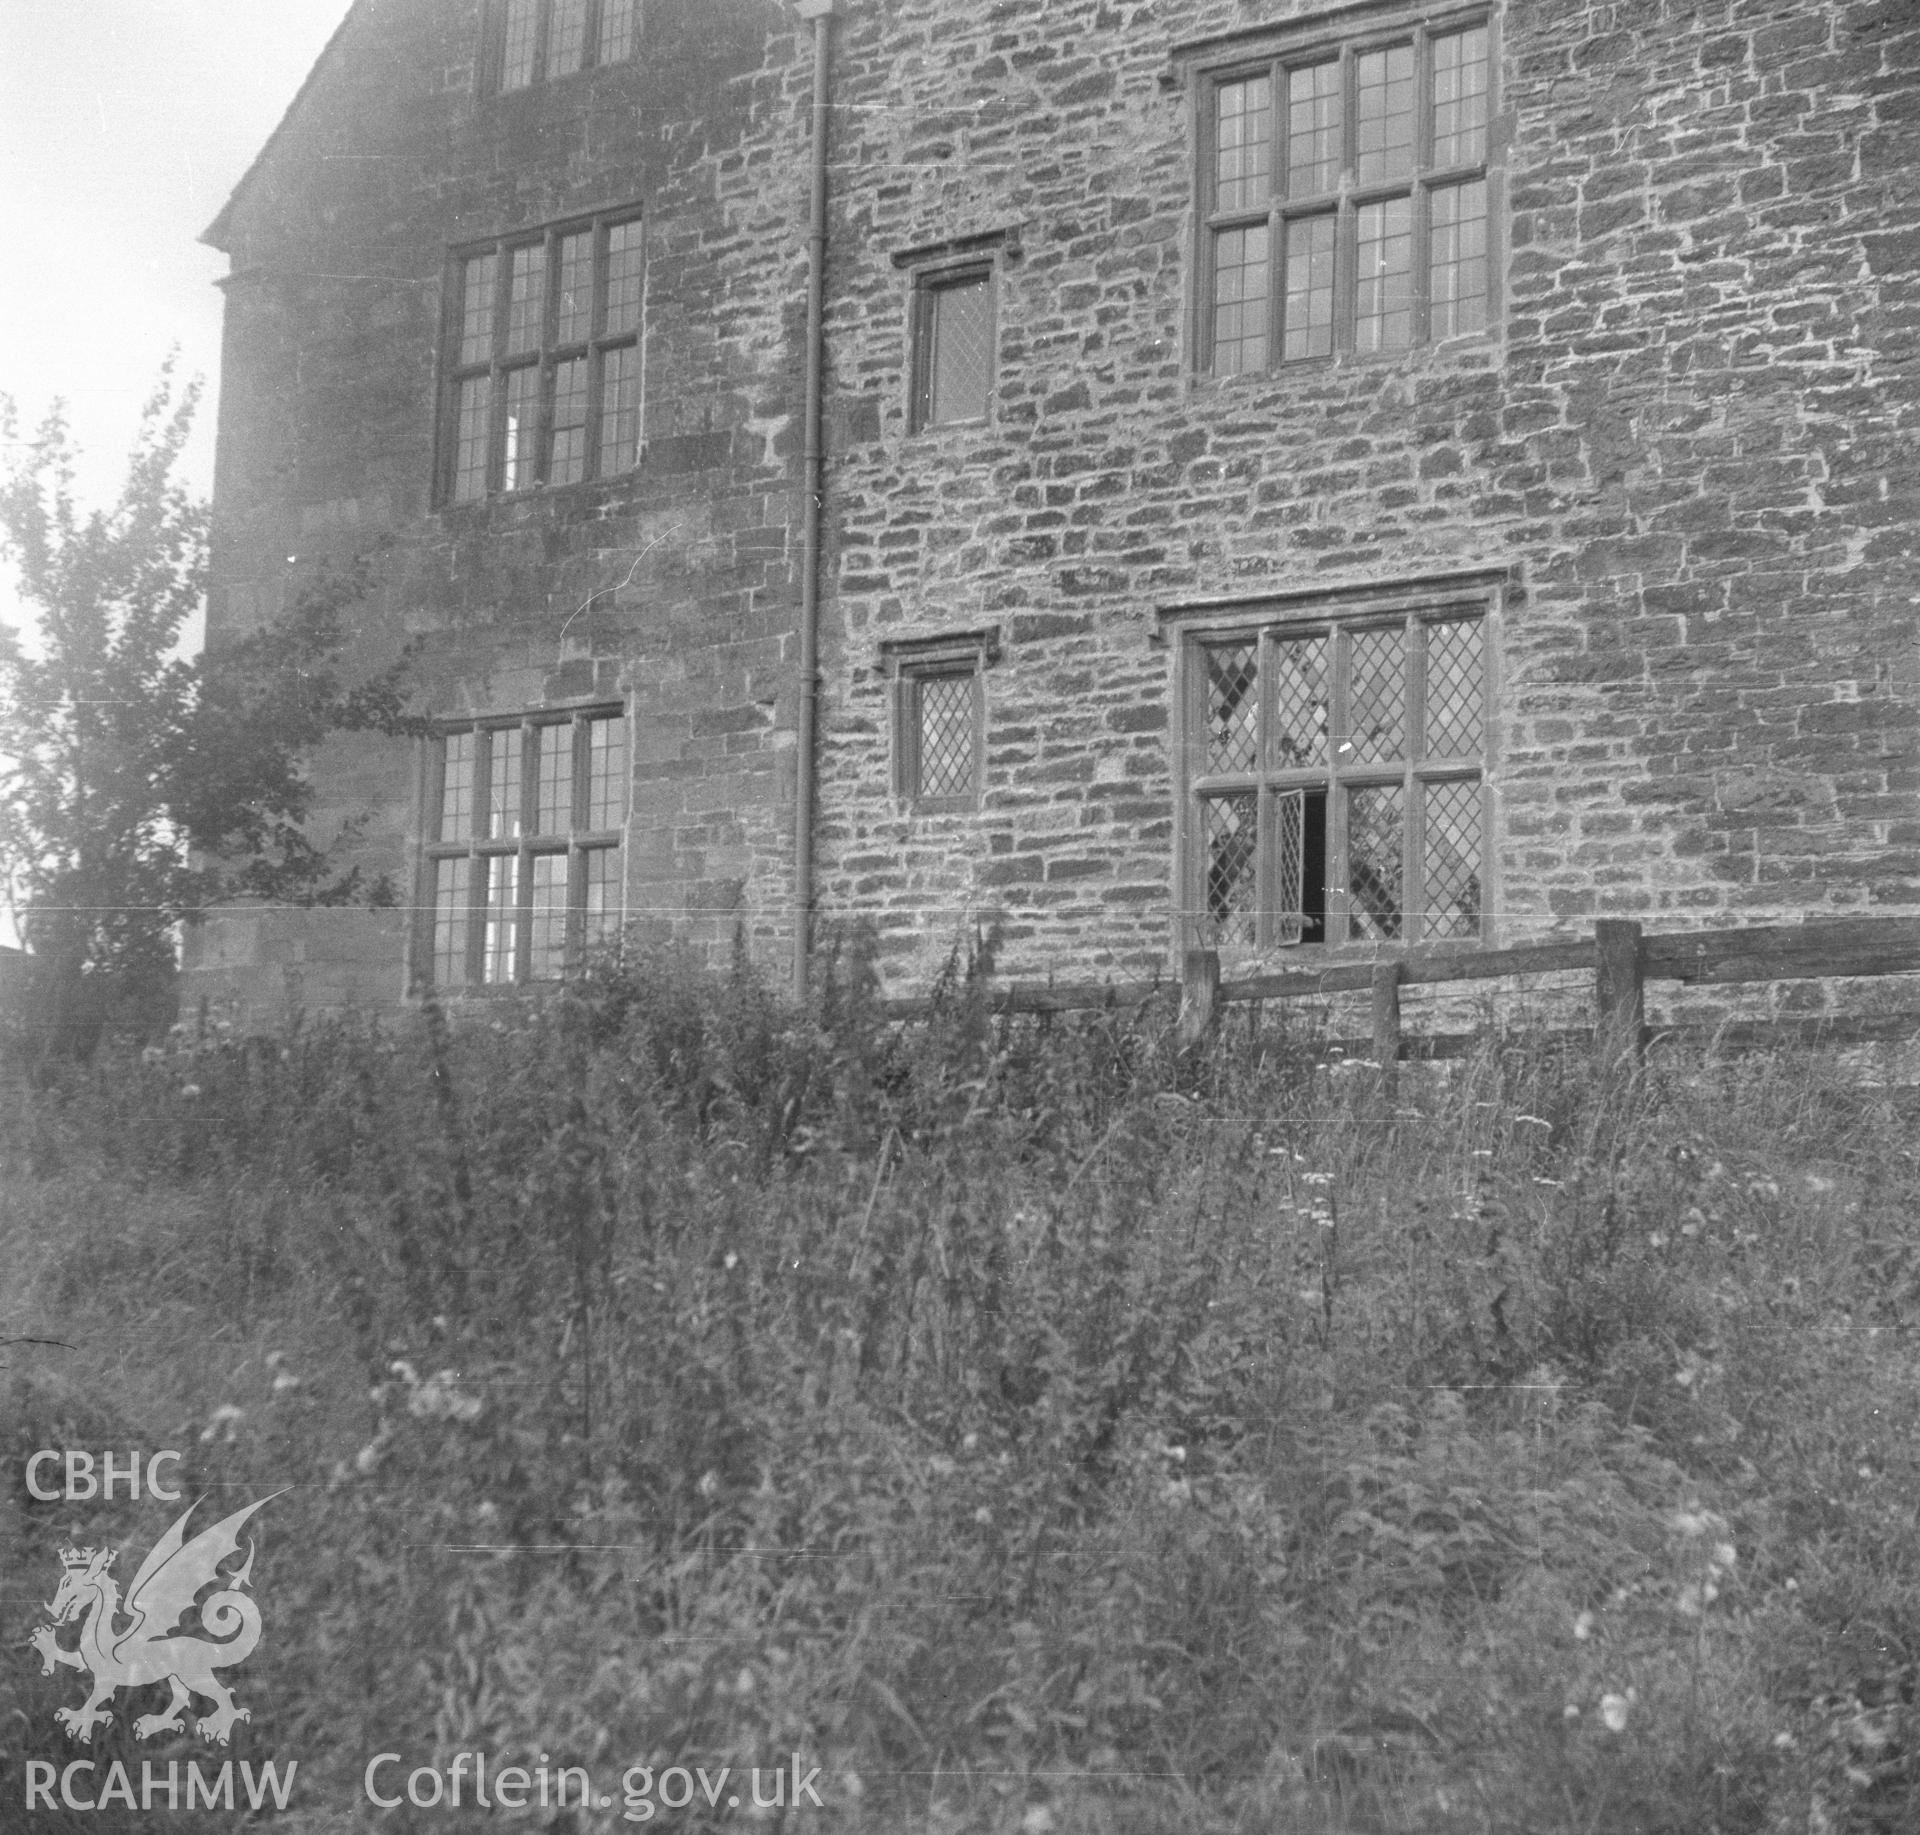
column 946, row 735
column 1335, row 772
column 1233, row 708
column 940, row 719
column 522, row 863
column 1456, row 690
column 1346, row 188
column 953, row 347
column 1451, row 850
column 1376, row 846
column 544, row 383
column 1229, row 829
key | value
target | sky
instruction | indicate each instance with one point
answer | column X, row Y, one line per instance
column 124, row 124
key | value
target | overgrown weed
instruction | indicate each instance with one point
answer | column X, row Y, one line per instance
column 1037, row 1426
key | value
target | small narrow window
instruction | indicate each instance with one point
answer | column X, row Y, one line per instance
column 943, row 722
column 939, row 699
column 953, row 346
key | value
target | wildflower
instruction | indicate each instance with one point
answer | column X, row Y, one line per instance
column 743, row 1683
column 440, row 1398
column 1570, row 1712
column 225, row 1416
column 1037, row 1821
column 1583, row 1626
column 732, row 1262
column 1613, row 1711
column 285, row 1380
column 984, row 1517
column 1725, row 1555
column 366, row 1459
column 1783, row 1742
column 941, row 1466
column 1690, row 1522
column 969, row 1442
column 189, row 1090
column 709, row 1484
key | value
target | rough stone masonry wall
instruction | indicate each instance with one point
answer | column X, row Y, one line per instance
column 673, row 585
column 1692, row 441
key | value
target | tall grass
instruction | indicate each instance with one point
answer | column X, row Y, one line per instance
column 1034, row 1426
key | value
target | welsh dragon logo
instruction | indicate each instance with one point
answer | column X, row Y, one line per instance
column 151, row 1648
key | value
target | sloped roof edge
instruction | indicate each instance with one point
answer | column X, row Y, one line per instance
column 215, row 234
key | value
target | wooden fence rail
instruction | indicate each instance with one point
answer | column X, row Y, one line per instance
column 1620, row 956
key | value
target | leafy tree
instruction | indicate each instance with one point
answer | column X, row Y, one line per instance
column 139, row 787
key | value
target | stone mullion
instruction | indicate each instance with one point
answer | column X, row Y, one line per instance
column 479, row 862
column 597, row 282
column 1420, row 204
column 1190, row 838
column 1279, row 177
column 529, row 788
column 542, row 35
column 430, row 778
column 1265, row 867
column 497, row 369
column 577, row 731
column 1414, row 841
column 1339, row 900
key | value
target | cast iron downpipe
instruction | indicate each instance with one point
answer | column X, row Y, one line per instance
column 814, row 463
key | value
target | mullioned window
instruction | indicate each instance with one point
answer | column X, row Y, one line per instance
column 1347, row 186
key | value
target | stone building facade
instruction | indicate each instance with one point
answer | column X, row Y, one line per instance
column 1302, row 478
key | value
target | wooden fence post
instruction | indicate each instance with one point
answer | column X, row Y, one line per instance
column 1199, row 995
column 1619, row 993
column 1386, row 1024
